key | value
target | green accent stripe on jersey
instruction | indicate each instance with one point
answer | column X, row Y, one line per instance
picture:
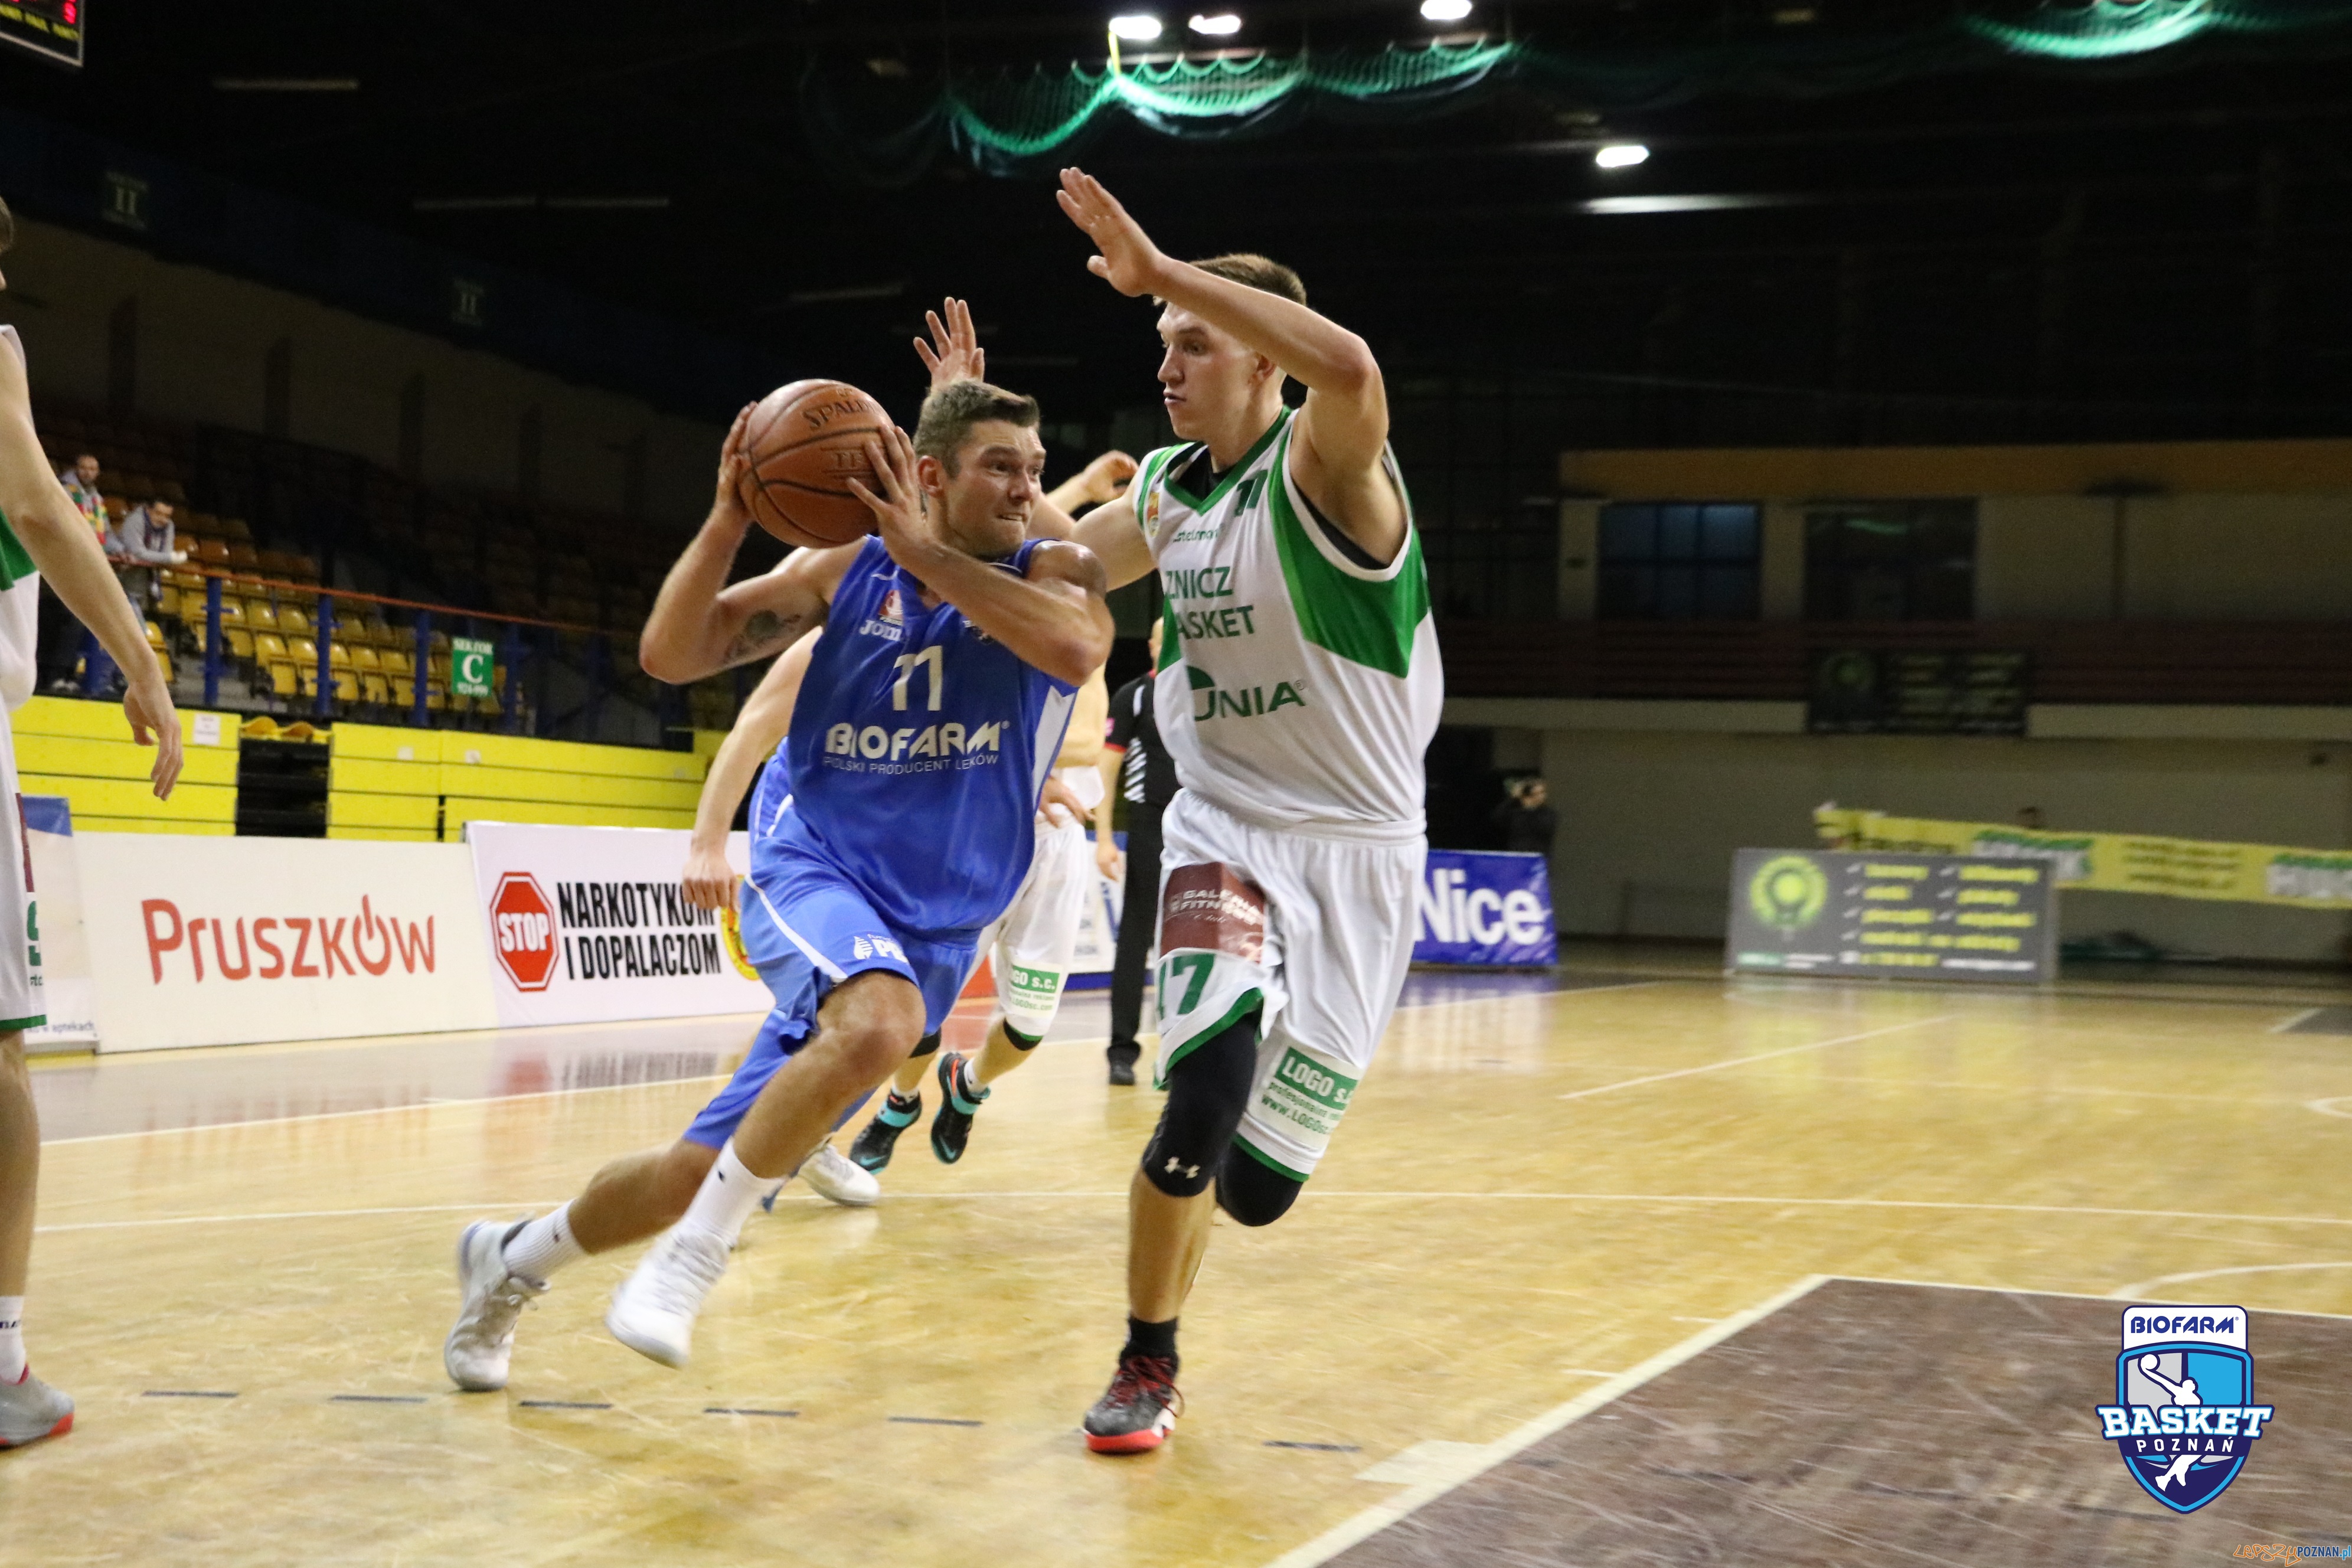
column 10, row 1025
column 1232, row 475
column 1139, row 494
column 16, row 565
column 1364, row 620
column 1171, row 636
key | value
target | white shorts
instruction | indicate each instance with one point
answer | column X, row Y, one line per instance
column 1313, row 935
column 21, row 1005
column 1039, row 932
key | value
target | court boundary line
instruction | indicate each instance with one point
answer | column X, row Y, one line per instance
column 1757, row 1057
column 1687, row 1200
column 2288, row 1025
column 1370, row 1521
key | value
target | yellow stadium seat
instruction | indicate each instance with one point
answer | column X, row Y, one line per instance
column 398, row 664
column 375, row 688
column 239, row 640
column 261, row 614
column 339, row 653
column 163, row 663
column 167, row 600
column 293, row 621
column 154, row 637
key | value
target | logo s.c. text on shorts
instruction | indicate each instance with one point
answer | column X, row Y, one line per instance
column 1213, row 908
column 1309, row 1095
column 1789, row 892
column 2184, row 1418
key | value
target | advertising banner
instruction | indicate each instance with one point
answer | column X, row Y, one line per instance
column 1912, row 917
column 1485, row 908
column 56, row 907
column 2116, row 862
column 215, row 942
column 588, row 924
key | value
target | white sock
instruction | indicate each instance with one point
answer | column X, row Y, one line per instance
column 12, row 1338
column 543, row 1245
column 727, row 1196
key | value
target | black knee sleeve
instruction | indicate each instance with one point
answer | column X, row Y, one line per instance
column 1207, row 1093
column 925, row 1046
column 1022, row 1042
column 1252, row 1192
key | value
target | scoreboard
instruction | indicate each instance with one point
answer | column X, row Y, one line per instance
column 50, row 28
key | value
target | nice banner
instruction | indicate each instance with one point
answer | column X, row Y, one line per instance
column 211, row 941
column 1485, row 908
column 2114, row 862
column 588, row 924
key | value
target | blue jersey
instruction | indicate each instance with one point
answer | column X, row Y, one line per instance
column 918, row 749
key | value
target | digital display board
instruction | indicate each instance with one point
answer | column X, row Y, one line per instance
column 49, row 27
column 1918, row 691
column 1911, row 916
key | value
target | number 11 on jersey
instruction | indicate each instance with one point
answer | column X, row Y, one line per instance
column 907, row 663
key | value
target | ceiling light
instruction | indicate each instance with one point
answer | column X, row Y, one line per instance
column 1217, row 25
column 1445, row 10
column 1622, row 155
column 1134, row 29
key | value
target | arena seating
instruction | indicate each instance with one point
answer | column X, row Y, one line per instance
column 268, row 511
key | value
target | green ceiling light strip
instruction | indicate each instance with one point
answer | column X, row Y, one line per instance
column 2106, row 29
column 1020, row 118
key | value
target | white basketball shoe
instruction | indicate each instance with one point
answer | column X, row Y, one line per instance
column 837, row 1179
column 489, row 1300
column 653, row 1310
column 31, row 1410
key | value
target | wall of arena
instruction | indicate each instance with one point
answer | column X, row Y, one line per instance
column 203, row 340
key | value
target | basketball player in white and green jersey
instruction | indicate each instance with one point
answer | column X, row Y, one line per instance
column 1298, row 687
column 41, row 531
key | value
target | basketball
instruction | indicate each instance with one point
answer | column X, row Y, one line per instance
column 806, row 441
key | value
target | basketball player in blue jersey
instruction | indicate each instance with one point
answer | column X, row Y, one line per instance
column 930, row 712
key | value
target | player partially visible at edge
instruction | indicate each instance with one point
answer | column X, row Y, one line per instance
column 41, row 531
column 923, row 732
column 1298, row 687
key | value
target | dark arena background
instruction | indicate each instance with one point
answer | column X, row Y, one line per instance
column 1854, row 450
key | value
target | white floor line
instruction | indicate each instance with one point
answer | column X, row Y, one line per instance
column 1670, row 1200
column 2138, row 1288
column 1539, row 996
column 2284, row 1025
column 1759, row 1057
column 529, row 1206
column 2341, row 1105
column 1340, row 1537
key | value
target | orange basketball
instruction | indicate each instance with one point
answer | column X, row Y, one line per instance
column 805, row 441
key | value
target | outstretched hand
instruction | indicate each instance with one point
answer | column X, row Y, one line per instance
column 1128, row 260
column 897, row 505
column 734, row 462
column 953, row 352
column 708, row 881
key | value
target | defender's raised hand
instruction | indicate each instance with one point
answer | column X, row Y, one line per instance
column 953, row 352
column 1129, row 261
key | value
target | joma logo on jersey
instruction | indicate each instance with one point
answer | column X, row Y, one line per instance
column 873, row 742
column 1211, row 700
column 890, row 622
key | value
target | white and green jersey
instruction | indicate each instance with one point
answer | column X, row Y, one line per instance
column 1296, row 687
column 20, row 594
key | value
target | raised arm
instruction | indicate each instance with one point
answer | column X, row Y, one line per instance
column 699, row 626
column 1342, row 431
column 709, row 880
column 67, row 553
column 1109, row 530
column 1053, row 619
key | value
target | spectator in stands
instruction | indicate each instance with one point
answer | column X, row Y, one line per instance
column 142, row 541
column 81, row 488
column 1527, row 822
column 59, row 646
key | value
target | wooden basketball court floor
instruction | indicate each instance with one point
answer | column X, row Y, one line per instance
column 1631, row 1264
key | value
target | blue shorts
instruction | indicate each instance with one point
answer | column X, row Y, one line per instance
column 806, row 928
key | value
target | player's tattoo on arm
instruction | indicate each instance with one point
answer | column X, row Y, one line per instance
column 763, row 633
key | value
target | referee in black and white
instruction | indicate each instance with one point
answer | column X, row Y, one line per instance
column 1138, row 770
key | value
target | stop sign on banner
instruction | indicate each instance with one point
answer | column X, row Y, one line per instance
column 522, row 932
